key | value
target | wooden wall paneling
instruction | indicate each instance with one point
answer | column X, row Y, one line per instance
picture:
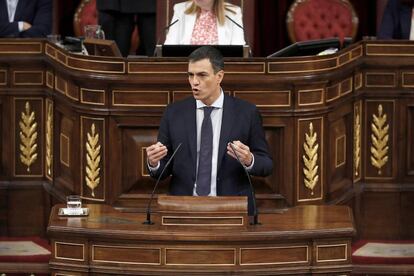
column 28, row 133
column 407, row 216
column 409, row 133
column 357, row 152
column 380, row 138
column 3, row 209
column 49, row 139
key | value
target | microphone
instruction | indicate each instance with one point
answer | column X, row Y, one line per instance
column 148, row 221
column 244, row 33
column 255, row 216
column 166, row 28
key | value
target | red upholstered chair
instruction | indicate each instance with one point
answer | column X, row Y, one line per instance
column 318, row 19
column 86, row 14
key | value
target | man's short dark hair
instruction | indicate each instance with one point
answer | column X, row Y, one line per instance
column 210, row 53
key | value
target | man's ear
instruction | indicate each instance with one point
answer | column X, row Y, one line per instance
column 220, row 75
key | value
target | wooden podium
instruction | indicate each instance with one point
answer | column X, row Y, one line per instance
column 301, row 240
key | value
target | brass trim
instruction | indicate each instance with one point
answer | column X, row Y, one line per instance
column 275, row 247
column 63, row 136
column 70, row 243
column 403, row 79
column 5, row 77
column 366, row 140
column 65, row 82
column 336, row 151
column 202, row 217
column 140, row 105
column 47, row 47
column 22, row 43
column 322, row 92
column 379, row 139
column 202, row 249
column 124, row 247
column 103, row 159
column 247, row 63
column 380, row 73
column 310, row 159
column 49, row 79
column 49, row 140
column 337, row 95
column 273, row 91
column 143, row 162
column 343, row 93
column 14, row 140
column 27, row 83
column 92, row 90
column 367, row 52
column 331, row 245
column 96, row 61
column 358, row 83
column 155, row 72
column 302, row 61
column 357, row 141
column 93, row 160
column 321, row 160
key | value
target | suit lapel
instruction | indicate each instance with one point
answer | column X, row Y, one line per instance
column 19, row 9
column 191, row 127
column 3, row 10
column 226, row 124
column 405, row 21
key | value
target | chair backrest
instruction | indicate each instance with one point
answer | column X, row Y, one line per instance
column 317, row 19
column 165, row 12
column 85, row 14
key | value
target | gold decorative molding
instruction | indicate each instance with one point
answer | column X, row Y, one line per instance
column 310, row 159
column 379, row 139
column 93, row 159
column 340, row 143
column 49, row 138
column 357, row 141
column 28, row 137
column 64, row 147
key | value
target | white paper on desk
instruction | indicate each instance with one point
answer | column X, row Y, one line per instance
column 386, row 250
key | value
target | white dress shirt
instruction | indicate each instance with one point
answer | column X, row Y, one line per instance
column 11, row 9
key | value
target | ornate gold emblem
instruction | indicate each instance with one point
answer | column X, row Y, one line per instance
column 357, row 143
column 28, row 137
column 49, row 131
column 379, row 138
column 93, row 159
column 310, row 159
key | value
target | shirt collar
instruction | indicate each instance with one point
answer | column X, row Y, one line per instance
column 217, row 103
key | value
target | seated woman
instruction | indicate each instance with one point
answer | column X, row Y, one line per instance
column 397, row 20
column 206, row 22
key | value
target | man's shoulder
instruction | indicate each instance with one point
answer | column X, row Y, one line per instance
column 182, row 104
column 240, row 103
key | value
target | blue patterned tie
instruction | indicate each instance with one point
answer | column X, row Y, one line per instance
column 206, row 150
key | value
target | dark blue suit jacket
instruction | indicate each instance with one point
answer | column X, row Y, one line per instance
column 36, row 12
column 241, row 121
column 396, row 21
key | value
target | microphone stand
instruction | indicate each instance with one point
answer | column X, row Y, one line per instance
column 164, row 31
column 148, row 220
column 255, row 215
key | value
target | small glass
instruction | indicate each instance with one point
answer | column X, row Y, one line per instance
column 73, row 205
column 94, row 31
column 54, row 38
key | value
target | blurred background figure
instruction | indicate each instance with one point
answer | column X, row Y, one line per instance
column 203, row 22
column 118, row 19
column 25, row 18
column 397, row 20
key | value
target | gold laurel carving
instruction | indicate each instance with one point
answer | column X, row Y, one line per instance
column 28, row 137
column 379, row 139
column 49, row 131
column 310, row 159
column 93, row 159
column 357, row 143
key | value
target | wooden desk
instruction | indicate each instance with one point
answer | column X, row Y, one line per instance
column 301, row 240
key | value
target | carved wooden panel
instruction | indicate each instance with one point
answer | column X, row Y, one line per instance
column 28, row 133
column 49, row 150
column 310, row 160
column 357, row 142
column 380, row 144
column 93, row 157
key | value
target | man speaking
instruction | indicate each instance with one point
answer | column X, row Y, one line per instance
column 212, row 128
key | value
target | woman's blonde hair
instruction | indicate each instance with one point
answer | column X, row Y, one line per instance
column 219, row 9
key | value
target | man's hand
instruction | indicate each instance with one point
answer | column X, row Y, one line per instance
column 26, row 26
column 243, row 152
column 155, row 153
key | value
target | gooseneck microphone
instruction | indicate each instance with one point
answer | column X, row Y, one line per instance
column 244, row 33
column 148, row 221
column 255, row 216
column 166, row 28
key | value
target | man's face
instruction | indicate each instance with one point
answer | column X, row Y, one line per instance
column 205, row 84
